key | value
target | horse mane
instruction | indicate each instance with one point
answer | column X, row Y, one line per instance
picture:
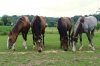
column 78, row 27
column 37, row 26
column 19, row 22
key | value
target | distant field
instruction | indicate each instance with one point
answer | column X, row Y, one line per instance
column 52, row 55
column 4, row 30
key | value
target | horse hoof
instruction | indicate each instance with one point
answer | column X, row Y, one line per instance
column 65, row 50
column 25, row 48
column 93, row 48
column 39, row 50
column 13, row 49
column 74, row 50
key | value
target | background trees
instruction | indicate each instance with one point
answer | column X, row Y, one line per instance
column 51, row 21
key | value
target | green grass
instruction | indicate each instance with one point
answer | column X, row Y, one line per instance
column 4, row 30
column 52, row 55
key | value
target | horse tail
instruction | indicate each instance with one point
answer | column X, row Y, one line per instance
column 61, row 28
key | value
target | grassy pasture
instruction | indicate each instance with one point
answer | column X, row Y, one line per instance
column 52, row 55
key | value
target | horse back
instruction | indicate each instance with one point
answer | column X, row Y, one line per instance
column 43, row 24
column 66, row 22
column 25, row 21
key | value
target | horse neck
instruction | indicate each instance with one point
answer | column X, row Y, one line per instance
column 77, row 31
column 16, row 30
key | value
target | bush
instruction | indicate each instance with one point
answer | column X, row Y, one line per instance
column 98, row 26
column 4, row 30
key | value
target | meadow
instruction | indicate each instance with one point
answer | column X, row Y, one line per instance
column 51, row 55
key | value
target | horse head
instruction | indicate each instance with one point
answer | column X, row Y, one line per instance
column 39, row 43
column 64, row 43
column 11, row 40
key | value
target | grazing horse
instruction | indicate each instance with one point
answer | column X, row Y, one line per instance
column 64, row 25
column 38, row 26
column 83, row 25
column 22, row 25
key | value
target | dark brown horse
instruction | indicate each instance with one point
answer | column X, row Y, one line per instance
column 64, row 25
column 22, row 26
column 38, row 26
column 83, row 25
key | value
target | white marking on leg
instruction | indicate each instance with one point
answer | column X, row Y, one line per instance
column 91, row 46
column 81, row 47
column 24, row 44
column 39, row 41
column 73, row 48
column 7, row 42
column 13, row 47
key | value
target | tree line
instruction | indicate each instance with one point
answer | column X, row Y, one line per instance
column 6, row 20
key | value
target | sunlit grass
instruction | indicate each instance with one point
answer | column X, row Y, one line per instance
column 52, row 55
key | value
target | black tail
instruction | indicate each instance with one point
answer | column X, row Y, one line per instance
column 61, row 28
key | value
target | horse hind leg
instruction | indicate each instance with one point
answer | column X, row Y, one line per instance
column 90, row 41
column 91, row 46
column 92, row 32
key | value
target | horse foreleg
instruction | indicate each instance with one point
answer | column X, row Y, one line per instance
column 60, row 41
column 74, row 47
column 25, row 44
column 43, row 39
column 33, row 39
column 24, row 40
column 90, row 41
column 69, row 36
column 13, row 47
column 81, row 42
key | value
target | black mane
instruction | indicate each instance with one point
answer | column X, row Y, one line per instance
column 37, row 27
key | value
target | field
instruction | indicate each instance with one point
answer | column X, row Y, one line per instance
column 52, row 55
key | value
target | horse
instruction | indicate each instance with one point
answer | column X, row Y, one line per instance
column 22, row 26
column 38, row 26
column 64, row 26
column 84, row 25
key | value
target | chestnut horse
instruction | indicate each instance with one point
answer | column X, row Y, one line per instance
column 64, row 26
column 38, row 26
column 83, row 25
column 22, row 26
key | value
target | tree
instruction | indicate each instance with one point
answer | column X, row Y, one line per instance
column 6, row 20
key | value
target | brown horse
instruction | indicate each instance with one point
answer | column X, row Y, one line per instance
column 64, row 25
column 22, row 26
column 38, row 26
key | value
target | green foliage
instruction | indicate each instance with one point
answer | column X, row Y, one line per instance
column 5, row 29
column 74, row 19
column 51, row 21
column 98, row 26
column 4, row 19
